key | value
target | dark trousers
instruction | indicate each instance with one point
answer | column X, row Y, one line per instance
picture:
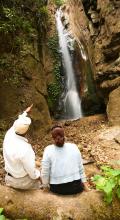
column 67, row 188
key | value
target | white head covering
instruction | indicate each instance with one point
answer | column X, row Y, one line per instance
column 22, row 124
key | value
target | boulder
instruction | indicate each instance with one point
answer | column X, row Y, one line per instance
column 39, row 205
column 113, row 107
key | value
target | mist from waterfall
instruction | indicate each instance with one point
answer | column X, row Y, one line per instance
column 72, row 103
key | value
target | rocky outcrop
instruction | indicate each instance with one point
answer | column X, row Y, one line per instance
column 19, row 91
column 83, row 61
column 38, row 205
column 113, row 107
column 105, row 34
column 107, row 43
column 23, row 71
column 106, row 50
column 97, row 23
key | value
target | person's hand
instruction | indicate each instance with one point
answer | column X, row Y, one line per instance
column 86, row 187
column 28, row 109
column 39, row 178
column 46, row 189
column 37, row 164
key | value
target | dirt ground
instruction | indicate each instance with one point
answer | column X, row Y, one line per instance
column 98, row 142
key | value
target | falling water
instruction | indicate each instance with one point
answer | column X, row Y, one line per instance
column 72, row 103
column 82, row 50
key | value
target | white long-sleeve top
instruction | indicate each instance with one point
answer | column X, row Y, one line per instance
column 18, row 155
column 62, row 164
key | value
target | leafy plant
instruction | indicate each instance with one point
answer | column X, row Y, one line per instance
column 59, row 2
column 42, row 19
column 53, row 44
column 108, row 182
column 54, row 89
column 2, row 217
column 53, row 93
column 13, row 21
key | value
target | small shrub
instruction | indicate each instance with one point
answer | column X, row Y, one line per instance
column 108, row 183
column 2, row 217
column 59, row 2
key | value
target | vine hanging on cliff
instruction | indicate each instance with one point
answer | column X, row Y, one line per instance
column 54, row 89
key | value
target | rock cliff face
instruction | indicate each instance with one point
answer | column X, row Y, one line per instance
column 27, row 64
column 24, row 73
column 97, row 23
column 83, row 57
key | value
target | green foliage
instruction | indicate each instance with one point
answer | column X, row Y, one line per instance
column 24, row 19
column 2, row 217
column 42, row 20
column 53, row 44
column 57, row 72
column 13, row 21
column 54, row 89
column 108, row 182
column 59, row 2
column 43, row 12
column 53, row 94
column 1, row 210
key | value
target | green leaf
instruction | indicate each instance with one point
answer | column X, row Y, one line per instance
column 109, row 183
column 119, row 181
column 2, row 217
column 100, row 183
column 105, row 168
column 96, row 177
column 118, row 193
column 108, row 198
column 114, row 172
column 1, row 210
column 108, row 188
column 113, row 182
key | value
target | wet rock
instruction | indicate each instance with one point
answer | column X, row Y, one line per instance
column 66, row 24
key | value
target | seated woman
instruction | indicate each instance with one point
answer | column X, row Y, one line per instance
column 62, row 167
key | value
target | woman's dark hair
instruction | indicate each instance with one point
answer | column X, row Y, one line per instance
column 56, row 126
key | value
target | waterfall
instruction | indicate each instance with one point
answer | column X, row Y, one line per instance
column 72, row 103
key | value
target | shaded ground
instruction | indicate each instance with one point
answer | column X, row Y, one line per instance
column 98, row 142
